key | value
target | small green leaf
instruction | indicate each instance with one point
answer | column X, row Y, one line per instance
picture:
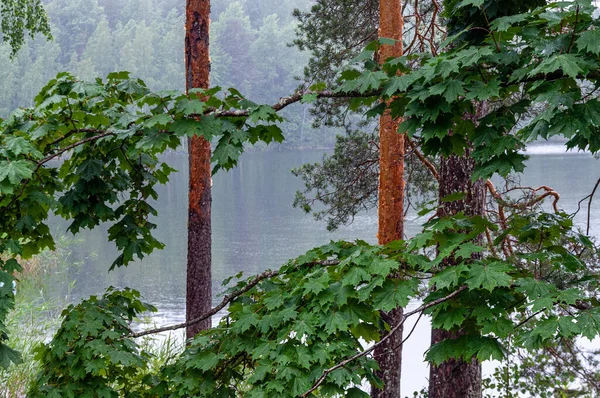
column 489, row 276
column 589, row 41
column 15, row 171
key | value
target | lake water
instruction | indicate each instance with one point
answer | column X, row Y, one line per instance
column 255, row 228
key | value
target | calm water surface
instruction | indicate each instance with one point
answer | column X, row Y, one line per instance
column 255, row 228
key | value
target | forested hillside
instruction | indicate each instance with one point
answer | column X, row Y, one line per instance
column 249, row 51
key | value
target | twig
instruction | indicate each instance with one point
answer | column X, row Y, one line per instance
column 587, row 231
column 101, row 134
column 574, row 30
column 423, row 159
column 286, row 101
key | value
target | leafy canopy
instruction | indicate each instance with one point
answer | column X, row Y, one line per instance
column 538, row 74
column 88, row 152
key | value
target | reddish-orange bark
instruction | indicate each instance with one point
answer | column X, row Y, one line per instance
column 197, row 72
column 391, row 196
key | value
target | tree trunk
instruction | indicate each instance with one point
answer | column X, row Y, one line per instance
column 391, row 199
column 457, row 378
column 197, row 70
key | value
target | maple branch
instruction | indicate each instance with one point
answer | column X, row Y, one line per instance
column 101, row 134
column 521, row 206
column 57, row 154
column 423, row 159
column 345, row 362
column 226, row 300
column 292, row 99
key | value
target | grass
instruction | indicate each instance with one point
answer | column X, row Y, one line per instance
column 35, row 316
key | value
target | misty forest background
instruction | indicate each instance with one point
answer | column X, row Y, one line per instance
column 250, row 50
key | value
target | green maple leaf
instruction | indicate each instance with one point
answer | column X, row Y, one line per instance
column 187, row 127
column 393, row 293
column 467, row 249
column 355, row 276
column 489, row 276
column 317, row 285
column 265, row 133
column 543, row 303
column 366, row 331
column 489, row 348
column 567, row 326
column 356, row 392
column 590, row 41
column 545, row 329
column 483, row 91
column 15, row 171
column 189, row 106
column 567, row 63
column 263, row 112
column 206, row 361
column 90, row 168
column 449, row 276
column 474, row 3
column 8, row 356
column 449, row 318
column 19, row 145
column 161, row 119
column 336, row 322
column 308, row 98
column 245, row 319
column 366, row 81
column 589, row 323
column 226, row 155
column 453, row 90
column 504, row 23
column 399, row 84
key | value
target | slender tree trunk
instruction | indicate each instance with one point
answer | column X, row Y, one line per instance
column 197, row 71
column 457, row 378
column 391, row 198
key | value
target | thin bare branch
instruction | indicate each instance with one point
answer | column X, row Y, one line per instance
column 226, row 300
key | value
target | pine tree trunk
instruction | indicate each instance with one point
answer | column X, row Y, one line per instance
column 391, row 199
column 197, row 69
column 457, row 378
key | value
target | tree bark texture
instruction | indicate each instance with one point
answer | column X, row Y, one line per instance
column 197, row 72
column 457, row 378
column 391, row 199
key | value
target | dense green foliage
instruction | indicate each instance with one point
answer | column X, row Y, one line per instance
column 546, row 59
column 284, row 332
column 109, row 135
column 106, row 364
column 291, row 331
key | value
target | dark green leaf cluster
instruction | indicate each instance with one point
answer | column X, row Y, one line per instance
column 88, row 152
column 546, row 59
column 89, row 355
column 469, row 19
column 281, row 336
